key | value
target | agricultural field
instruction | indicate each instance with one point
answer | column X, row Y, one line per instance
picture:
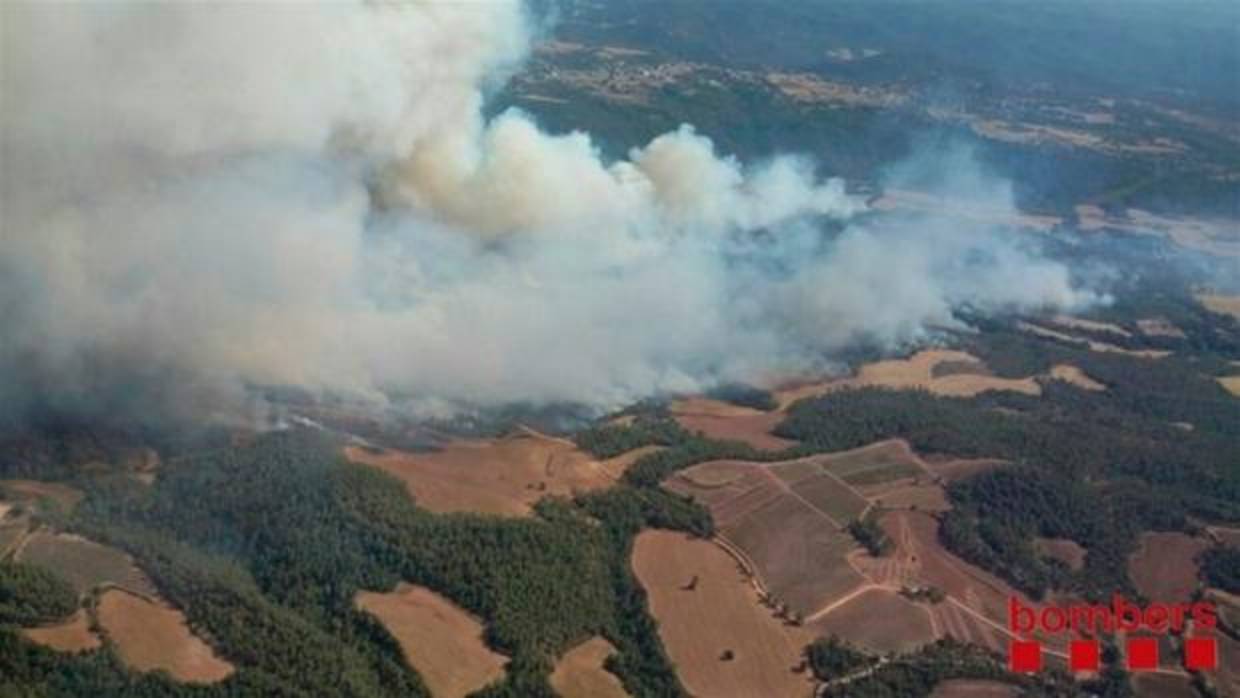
column 151, row 636
column 727, row 422
column 1164, row 568
column 72, row 635
column 975, row 607
column 580, row 673
column 503, row 476
column 968, row 377
column 879, row 620
column 878, row 463
column 83, row 563
column 440, row 640
column 723, row 641
column 786, row 521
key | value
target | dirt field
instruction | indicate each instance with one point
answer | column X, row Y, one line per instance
column 580, row 672
column 1163, row 569
column 722, row 613
column 1062, row 549
column 879, row 620
column 1225, row 305
column 727, row 422
column 916, row 371
column 495, row 476
column 150, row 636
column 440, row 640
column 877, row 463
column 1231, row 384
column 73, row 635
column 83, row 563
column 1075, row 376
column 974, row 688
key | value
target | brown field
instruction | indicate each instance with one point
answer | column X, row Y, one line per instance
column 1231, row 384
column 12, row 533
column 440, row 640
column 1075, row 376
column 83, row 563
column 1062, row 549
column 580, row 672
column 1162, row 686
column 63, row 496
column 72, row 635
column 915, row 372
column 151, row 636
column 783, row 521
column 974, row 688
column 891, row 460
column 1164, row 568
column 727, row 422
column 911, row 495
column 722, row 613
column 879, row 620
column 494, row 476
column 1224, row 305
column 1092, row 344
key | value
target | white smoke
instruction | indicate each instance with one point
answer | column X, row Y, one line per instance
column 220, row 195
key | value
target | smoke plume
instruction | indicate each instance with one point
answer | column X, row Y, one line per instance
column 198, row 198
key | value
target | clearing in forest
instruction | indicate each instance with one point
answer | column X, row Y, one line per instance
column 151, row 636
column 83, row 563
column 35, row 491
column 726, row 422
column 1223, row 305
column 495, row 476
column 1092, row 344
column 1164, row 567
column 72, row 635
column 440, row 640
column 1066, row 551
column 580, row 672
column 723, row 641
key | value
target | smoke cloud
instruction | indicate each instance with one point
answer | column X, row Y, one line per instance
column 198, row 198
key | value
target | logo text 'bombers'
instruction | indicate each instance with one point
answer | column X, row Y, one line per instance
column 1140, row 625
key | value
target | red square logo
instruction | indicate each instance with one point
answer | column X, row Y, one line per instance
column 1025, row 656
column 1142, row 653
column 1084, row 655
column 1200, row 653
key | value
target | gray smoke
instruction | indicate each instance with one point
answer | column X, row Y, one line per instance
column 201, row 197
